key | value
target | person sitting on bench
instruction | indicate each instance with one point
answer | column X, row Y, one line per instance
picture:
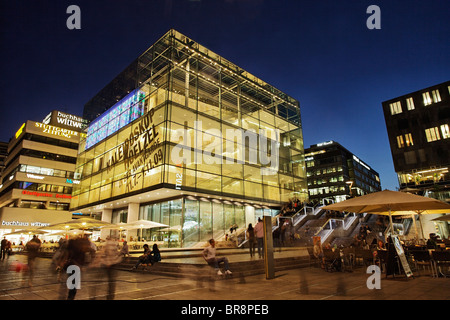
column 209, row 254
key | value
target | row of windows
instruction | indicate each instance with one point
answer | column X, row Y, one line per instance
column 42, row 187
column 373, row 182
column 326, row 190
column 332, row 179
column 432, row 134
column 428, row 99
column 46, row 171
column 43, row 205
column 326, row 170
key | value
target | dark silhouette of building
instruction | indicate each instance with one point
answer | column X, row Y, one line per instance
column 418, row 128
column 334, row 173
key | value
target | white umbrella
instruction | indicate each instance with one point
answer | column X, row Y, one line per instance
column 27, row 231
column 144, row 224
column 81, row 223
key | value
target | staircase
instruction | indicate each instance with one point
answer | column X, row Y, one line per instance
column 191, row 264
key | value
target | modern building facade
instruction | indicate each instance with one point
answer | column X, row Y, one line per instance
column 335, row 174
column 186, row 138
column 38, row 177
column 418, row 126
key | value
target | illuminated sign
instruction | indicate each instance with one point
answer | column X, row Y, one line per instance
column 57, row 131
column 73, row 181
column 47, row 195
column 24, row 224
column 65, row 120
column 141, row 151
column 33, row 176
column 122, row 113
column 19, row 132
column 69, row 120
column 179, row 178
column 325, row 143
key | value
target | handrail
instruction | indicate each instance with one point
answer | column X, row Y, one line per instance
column 346, row 223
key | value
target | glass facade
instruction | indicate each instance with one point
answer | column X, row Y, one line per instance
column 183, row 86
column 236, row 136
column 194, row 220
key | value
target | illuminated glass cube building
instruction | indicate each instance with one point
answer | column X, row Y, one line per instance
column 186, row 138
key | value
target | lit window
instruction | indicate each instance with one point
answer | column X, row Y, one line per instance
column 396, row 107
column 408, row 140
column 432, row 134
column 400, row 142
column 426, row 98
column 436, row 96
column 445, row 131
column 410, row 103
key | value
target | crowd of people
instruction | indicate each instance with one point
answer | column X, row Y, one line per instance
column 293, row 205
column 79, row 251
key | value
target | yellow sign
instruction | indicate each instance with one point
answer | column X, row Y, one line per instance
column 19, row 132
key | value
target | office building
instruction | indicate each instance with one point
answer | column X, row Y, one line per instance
column 418, row 129
column 334, row 174
column 38, row 177
column 186, row 138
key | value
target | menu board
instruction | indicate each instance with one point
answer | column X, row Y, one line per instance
column 401, row 255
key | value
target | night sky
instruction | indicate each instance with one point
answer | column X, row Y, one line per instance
column 319, row 52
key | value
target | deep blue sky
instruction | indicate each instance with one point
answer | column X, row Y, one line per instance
column 319, row 52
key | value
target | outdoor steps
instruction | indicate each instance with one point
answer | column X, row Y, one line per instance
column 199, row 269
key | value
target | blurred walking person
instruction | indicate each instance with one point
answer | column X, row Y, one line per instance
column 79, row 251
column 251, row 239
column 111, row 257
column 32, row 248
column 3, row 244
column 259, row 232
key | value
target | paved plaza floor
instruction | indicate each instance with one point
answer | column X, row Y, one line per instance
column 307, row 283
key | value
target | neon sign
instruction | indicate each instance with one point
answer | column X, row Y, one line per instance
column 122, row 113
column 47, row 195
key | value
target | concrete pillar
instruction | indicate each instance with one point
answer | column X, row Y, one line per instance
column 250, row 216
column 133, row 215
column 107, row 217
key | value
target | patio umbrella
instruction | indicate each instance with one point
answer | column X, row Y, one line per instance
column 73, row 231
column 27, row 231
column 412, row 213
column 442, row 218
column 144, row 224
column 389, row 202
column 121, row 226
column 82, row 223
